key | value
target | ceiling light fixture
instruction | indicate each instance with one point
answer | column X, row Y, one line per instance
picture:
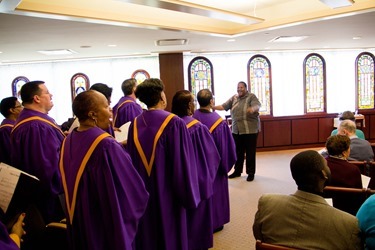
column 287, row 39
column 171, row 42
column 57, row 52
column 338, row 3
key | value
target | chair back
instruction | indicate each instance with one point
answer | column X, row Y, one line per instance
column 346, row 199
column 371, row 174
column 267, row 246
column 362, row 166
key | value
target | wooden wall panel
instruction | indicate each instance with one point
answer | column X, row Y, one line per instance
column 325, row 128
column 172, row 74
column 370, row 126
column 305, row 131
column 276, row 133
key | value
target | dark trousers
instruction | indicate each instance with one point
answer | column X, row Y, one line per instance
column 245, row 144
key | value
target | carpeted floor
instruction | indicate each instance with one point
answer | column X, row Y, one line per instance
column 272, row 176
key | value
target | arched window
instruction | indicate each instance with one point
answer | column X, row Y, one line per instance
column 17, row 83
column 140, row 75
column 364, row 68
column 314, row 78
column 79, row 83
column 200, row 75
column 260, row 82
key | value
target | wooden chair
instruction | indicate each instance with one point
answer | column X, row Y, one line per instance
column 346, row 199
column 371, row 174
column 56, row 236
column 362, row 165
column 267, row 246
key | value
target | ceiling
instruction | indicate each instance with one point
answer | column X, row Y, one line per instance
column 119, row 28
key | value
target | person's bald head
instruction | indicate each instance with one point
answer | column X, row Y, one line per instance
column 85, row 102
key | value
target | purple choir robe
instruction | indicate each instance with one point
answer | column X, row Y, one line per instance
column 172, row 182
column 110, row 198
column 5, row 129
column 35, row 149
column 225, row 145
column 200, row 227
column 6, row 243
column 125, row 111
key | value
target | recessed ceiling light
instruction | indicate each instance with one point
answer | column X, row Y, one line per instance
column 57, row 52
column 171, row 42
column 231, row 40
column 338, row 3
column 357, row 38
column 85, row 46
column 287, row 39
column 112, row 45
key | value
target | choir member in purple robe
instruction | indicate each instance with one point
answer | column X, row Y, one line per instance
column 200, row 227
column 127, row 108
column 107, row 92
column 10, row 108
column 12, row 240
column 105, row 196
column 163, row 154
column 35, row 147
column 223, row 138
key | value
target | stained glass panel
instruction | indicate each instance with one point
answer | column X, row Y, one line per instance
column 365, row 81
column 17, row 83
column 200, row 75
column 314, row 83
column 259, row 70
column 79, row 83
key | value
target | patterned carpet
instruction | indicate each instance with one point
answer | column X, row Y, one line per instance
column 272, row 176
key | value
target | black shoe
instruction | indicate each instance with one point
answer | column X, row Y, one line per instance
column 218, row 229
column 234, row 175
column 250, row 177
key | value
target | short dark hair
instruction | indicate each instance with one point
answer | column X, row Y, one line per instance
column 337, row 144
column 244, row 84
column 128, row 85
column 180, row 103
column 29, row 90
column 83, row 103
column 347, row 115
column 306, row 168
column 7, row 104
column 204, row 97
column 104, row 89
column 149, row 91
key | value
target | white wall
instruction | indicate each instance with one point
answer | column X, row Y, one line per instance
column 287, row 78
column 57, row 76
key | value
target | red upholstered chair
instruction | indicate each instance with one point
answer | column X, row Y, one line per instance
column 267, row 246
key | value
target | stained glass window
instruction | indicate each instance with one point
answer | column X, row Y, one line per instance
column 259, row 76
column 17, row 83
column 79, row 83
column 140, row 75
column 365, row 81
column 314, row 83
column 200, row 75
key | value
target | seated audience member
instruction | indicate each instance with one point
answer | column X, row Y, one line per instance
column 344, row 174
column 304, row 220
column 105, row 196
column 366, row 218
column 200, row 227
column 10, row 108
column 348, row 115
column 360, row 150
column 12, row 240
